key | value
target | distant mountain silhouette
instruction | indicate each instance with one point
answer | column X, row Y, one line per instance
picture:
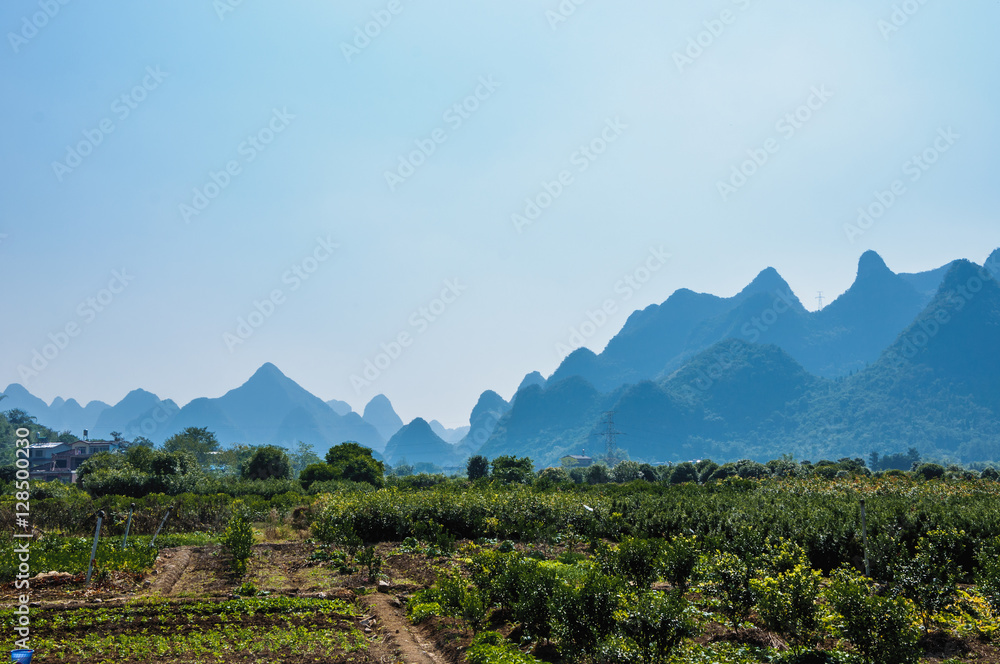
column 270, row 408
column 533, row 378
column 339, row 407
column 485, row 414
column 842, row 338
column 897, row 361
column 380, row 414
column 60, row 415
column 452, row 436
column 121, row 416
column 934, row 384
column 417, row 443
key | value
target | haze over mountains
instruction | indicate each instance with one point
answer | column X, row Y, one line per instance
column 898, row 360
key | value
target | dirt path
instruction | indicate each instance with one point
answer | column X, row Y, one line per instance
column 400, row 636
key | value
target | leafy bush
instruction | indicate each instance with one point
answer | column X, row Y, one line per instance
column 238, row 540
column 679, row 561
column 729, row 580
column 881, row 629
column 654, row 624
column 930, row 578
column 581, row 615
column 634, row 559
column 492, row 648
column 421, row 611
column 371, row 561
column 787, row 604
column 989, row 573
column 929, row 471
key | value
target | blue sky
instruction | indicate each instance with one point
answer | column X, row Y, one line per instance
column 615, row 122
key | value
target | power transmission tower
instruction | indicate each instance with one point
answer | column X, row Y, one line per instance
column 819, row 298
column 609, row 433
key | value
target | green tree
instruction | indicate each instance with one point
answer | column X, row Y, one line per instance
column 513, row 470
column 20, row 418
column 199, row 441
column 477, row 467
column 304, row 455
column 626, row 471
column 316, row 472
column 684, row 472
column 597, row 474
column 267, row 462
column 352, row 461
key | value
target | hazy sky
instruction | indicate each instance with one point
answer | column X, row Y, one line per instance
column 171, row 168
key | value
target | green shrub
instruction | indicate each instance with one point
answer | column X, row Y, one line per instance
column 653, row 625
column 880, row 628
column 421, row 611
column 582, row 617
column 679, row 560
column 371, row 561
column 787, row 604
column 929, row 471
column 247, row 589
column 930, row 578
column 729, row 581
column 988, row 577
column 492, row 648
column 238, row 540
column 635, row 560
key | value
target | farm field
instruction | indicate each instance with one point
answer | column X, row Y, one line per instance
column 739, row 571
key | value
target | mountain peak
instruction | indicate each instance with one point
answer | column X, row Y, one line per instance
column 419, row 424
column 533, row 378
column 871, row 265
column 992, row 264
column 267, row 370
column 767, row 281
column 381, row 415
column 961, row 273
